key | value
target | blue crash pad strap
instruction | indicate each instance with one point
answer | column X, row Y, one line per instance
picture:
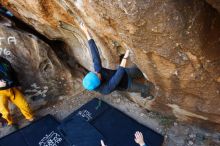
column 90, row 110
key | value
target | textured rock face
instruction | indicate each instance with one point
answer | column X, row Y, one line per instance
column 39, row 70
column 175, row 43
column 215, row 4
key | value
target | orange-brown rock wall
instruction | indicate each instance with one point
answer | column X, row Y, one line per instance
column 176, row 44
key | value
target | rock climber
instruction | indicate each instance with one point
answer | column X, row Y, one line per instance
column 138, row 138
column 9, row 91
column 105, row 80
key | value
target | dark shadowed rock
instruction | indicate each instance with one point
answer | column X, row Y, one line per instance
column 215, row 4
column 39, row 70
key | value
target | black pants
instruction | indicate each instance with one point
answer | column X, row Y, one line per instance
column 134, row 86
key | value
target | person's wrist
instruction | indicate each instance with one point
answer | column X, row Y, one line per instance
column 126, row 56
column 88, row 37
column 122, row 65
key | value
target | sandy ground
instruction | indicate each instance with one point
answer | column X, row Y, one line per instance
column 176, row 134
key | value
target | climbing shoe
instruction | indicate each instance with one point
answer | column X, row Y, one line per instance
column 146, row 96
column 145, row 93
column 150, row 97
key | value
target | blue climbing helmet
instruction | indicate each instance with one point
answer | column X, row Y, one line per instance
column 91, row 81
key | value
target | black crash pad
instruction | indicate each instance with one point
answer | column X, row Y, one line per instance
column 89, row 124
column 42, row 132
column 117, row 128
column 79, row 132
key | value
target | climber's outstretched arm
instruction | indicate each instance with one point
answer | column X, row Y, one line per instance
column 110, row 86
column 94, row 50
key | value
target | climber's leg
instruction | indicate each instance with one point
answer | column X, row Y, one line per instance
column 144, row 89
column 134, row 73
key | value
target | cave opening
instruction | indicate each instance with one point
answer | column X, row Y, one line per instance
column 59, row 47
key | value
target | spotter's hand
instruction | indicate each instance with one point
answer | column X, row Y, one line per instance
column 102, row 143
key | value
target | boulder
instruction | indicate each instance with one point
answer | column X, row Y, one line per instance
column 39, row 70
column 174, row 43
